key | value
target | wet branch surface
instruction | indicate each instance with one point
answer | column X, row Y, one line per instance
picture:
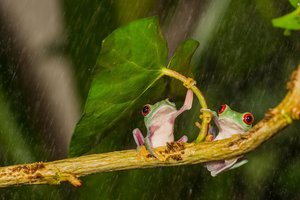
column 175, row 153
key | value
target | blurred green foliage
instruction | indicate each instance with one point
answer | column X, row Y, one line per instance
column 290, row 21
column 295, row 3
column 245, row 65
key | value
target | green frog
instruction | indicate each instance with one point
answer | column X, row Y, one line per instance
column 229, row 122
column 159, row 120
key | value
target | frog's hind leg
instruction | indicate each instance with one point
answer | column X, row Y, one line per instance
column 226, row 165
column 239, row 163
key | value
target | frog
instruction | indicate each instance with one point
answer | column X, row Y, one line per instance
column 229, row 122
column 159, row 120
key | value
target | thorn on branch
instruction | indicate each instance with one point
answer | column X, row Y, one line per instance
column 73, row 180
column 291, row 84
column 296, row 113
column 270, row 113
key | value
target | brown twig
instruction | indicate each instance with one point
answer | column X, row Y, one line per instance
column 176, row 154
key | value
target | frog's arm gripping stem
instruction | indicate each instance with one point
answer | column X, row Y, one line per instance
column 187, row 105
column 215, row 116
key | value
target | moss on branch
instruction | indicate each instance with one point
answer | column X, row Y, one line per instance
column 176, row 153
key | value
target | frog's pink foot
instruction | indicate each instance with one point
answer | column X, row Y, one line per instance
column 217, row 167
column 183, row 139
column 138, row 137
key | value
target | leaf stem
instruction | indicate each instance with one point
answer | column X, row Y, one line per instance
column 187, row 82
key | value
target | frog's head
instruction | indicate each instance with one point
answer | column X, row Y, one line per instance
column 159, row 109
column 235, row 120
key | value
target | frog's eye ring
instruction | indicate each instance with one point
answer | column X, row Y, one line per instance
column 145, row 110
column 222, row 108
column 248, row 118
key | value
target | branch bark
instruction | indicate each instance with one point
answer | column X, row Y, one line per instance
column 175, row 154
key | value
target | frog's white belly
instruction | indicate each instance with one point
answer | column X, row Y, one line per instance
column 228, row 131
column 163, row 135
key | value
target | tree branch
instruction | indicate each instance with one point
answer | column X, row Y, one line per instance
column 175, row 153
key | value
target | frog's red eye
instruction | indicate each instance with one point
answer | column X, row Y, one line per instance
column 222, row 108
column 248, row 118
column 146, row 110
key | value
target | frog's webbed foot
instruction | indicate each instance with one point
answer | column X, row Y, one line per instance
column 216, row 167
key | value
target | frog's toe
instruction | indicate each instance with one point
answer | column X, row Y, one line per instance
column 183, row 139
column 209, row 137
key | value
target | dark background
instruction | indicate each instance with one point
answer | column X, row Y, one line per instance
column 47, row 53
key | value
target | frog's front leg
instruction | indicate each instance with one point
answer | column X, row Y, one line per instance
column 187, row 105
column 215, row 116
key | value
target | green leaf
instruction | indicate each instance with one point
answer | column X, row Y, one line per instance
column 290, row 21
column 295, row 3
column 128, row 65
